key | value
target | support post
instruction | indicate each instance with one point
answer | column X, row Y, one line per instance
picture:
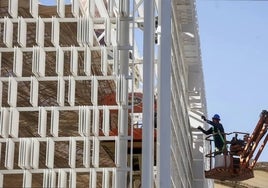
column 148, row 96
column 123, row 41
column 164, row 96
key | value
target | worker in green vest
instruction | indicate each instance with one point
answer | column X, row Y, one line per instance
column 217, row 130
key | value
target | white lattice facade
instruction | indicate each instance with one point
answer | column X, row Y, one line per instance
column 67, row 81
column 57, row 63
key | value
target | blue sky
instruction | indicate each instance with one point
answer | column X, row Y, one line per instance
column 234, row 47
column 52, row 2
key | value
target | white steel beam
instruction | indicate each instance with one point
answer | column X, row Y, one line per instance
column 34, row 8
column 164, row 96
column 102, row 8
column 123, row 57
column 55, row 31
column 75, row 8
column 86, row 152
column 74, row 61
column 139, row 7
column 12, row 92
column 42, row 122
column 148, row 96
column 27, row 179
column 22, row 32
column 4, row 122
column 34, row 91
column 13, row 8
column 61, row 8
column 14, row 122
column 72, row 178
column 40, row 32
column 17, row 61
column 50, row 149
column 8, row 32
column 87, row 60
column 9, row 158
column 71, row 91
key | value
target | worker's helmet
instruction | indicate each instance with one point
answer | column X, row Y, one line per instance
column 216, row 116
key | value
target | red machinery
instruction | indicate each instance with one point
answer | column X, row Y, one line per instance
column 237, row 163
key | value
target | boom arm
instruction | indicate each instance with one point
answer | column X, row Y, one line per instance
column 253, row 141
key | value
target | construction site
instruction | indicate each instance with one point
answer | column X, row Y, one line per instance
column 109, row 94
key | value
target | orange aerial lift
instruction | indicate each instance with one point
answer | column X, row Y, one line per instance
column 239, row 159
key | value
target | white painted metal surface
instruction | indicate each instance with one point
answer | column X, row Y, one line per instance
column 148, row 96
column 164, row 97
column 180, row 92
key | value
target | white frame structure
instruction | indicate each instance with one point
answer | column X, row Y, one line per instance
column 170, row 71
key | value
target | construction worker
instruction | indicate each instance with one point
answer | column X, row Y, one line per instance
column 217, row 131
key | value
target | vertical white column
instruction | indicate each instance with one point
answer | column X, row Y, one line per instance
column 61, row 8
column 96, row 152
column 27, row 179
column 85, row 31
column 164, row 96
column 13, row 8
column 38, row 61
column 22, row 32
column 9, row 158
column 0, row 63
column 104, row 62
column 75, row 8
column 42, row 122
column 84, row 121
column 123, row 57
column 74, row 59
column 40, row 32
column 115, row 60
column 93, row 178
column 1, row 180
column 55, row 32
column 4, row 122
column 8, row 32
column 42, row 62
column 49, row 178
column 24, row 153
column 86, row 152
column 17, row 61
column 34, row 91
column 94, row 91
column 105, row 178
column 14, row 122
column 59, row 61
column 50, row 153
column 79, row 30
column 92, row 8
column 61, row 91
column 54, row 130
column 106, row 121
column 107, row 37
column 34, row 8
column 12, row 92
column 1, row 92
column 96, row 120
column 45, row 178
column 72, row 178
column 62, row 179
column 71, row 91
column 72, row 152
column 35, row 148
column 148, row 96
column 87, row 61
